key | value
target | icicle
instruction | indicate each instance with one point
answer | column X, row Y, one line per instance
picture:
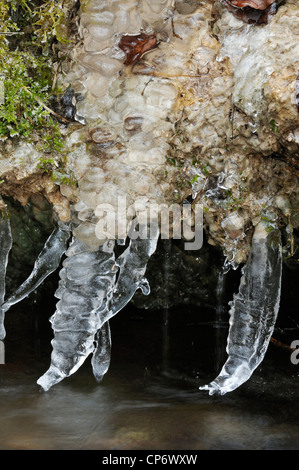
column 88, row 299
column 132, row 264
column 5, row 247
column 87, row 281
column 101, row 356
column 220, row 323
column 253, row 312
column 47, row 262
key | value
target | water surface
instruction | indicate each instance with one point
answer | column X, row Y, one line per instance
column 149, row 399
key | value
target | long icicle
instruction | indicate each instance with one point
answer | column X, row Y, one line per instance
column 253, row 312
column 86, row 284
column 46, row 263
column 132, row 266
column 5, row 247
column 88, row 299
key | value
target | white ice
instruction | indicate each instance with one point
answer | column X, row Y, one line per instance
column 253, row 312
column 47, row 262
column 5, row 247
column 86, row 283
column 89, row 296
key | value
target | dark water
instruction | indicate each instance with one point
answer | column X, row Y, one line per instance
column 149, row 399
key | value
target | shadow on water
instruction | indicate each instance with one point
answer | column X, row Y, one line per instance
column 149, row 398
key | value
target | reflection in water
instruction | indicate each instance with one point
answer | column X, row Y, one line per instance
column 137, row 406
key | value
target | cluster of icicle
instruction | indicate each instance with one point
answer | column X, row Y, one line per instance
column 94, row 286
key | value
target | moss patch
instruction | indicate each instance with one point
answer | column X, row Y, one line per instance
column 32, row 39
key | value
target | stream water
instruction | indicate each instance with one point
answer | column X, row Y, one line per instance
column 149, row 398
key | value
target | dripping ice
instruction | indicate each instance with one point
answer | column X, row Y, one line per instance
column 5, row 247
column 86, row 281
column 46, row 263
column 94, row 286
column 90, row 294
column 253, row 312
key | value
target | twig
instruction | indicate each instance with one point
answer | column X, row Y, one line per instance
column 150, row 80
column 279, row 344
column 11, row 33
column 231, row 118
column 44, row 105
column 154, row 73
column 173, row 9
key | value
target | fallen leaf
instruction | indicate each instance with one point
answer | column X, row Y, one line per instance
column 136, row 46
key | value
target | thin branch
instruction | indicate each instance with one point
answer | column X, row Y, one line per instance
column 11, row 33
column 281, row 345
column 44, row 105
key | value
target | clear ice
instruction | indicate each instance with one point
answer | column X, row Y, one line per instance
column 90, row 294
column 132, row 265
column 46, row 263
column 5, row 247
column 94, row 286
column 253, row 312
column 86, row 283
column 101, row 356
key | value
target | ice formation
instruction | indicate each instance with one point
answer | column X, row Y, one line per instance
column 101, row 355
column 89, row 296
column 86, row 283
column 253, row 312
column 5, row 247
column 175, row 97
column 46, row 263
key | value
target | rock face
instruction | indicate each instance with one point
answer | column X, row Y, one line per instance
column 199, row 103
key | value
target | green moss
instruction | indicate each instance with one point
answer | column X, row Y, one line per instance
column 27, row 83
column 269, row 220
column 56, row 168
column 274, row 125
column 4, row 213
column 194, row 179
column 30, row 34
column 172, row 161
